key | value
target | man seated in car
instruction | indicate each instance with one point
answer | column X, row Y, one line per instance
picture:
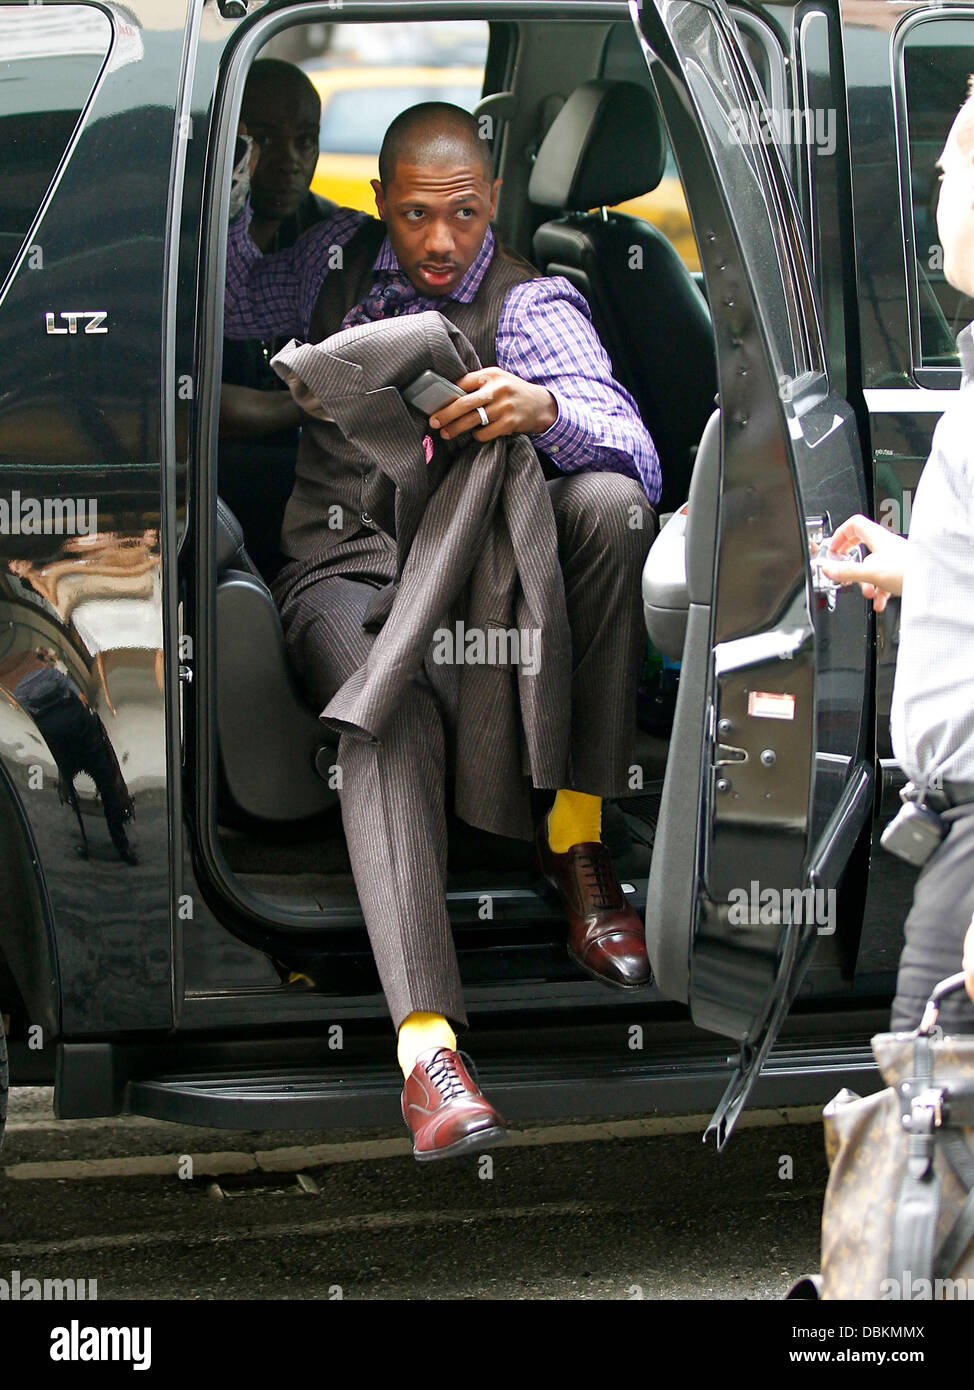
column 546, row 375
column 259, row 421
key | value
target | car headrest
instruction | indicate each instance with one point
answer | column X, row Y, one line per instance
column 230, row 552
column 604, row 146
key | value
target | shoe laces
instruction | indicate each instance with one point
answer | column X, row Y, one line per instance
column 442, row 1071
column 601, row 881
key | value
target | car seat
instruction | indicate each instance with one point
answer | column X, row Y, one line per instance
column 606, row 145
column 274, row 752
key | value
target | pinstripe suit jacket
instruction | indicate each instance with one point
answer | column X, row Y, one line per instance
column 474, row 539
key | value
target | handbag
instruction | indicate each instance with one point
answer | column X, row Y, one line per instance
column 898, row 1221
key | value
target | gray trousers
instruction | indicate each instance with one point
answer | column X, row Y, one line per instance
column 393, row 793
column 943, row 903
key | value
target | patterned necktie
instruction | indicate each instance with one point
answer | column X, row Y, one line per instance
column 389, row 295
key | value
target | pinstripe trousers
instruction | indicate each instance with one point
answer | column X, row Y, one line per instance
column 393, row 793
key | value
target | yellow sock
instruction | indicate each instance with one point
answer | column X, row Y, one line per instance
column 418, row 1032
column 574, row 819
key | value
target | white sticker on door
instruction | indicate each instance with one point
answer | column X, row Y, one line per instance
column 768, row 704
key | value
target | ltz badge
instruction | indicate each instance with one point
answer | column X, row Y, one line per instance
column 93, row 319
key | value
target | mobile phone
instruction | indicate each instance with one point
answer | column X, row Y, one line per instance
column 430, row 392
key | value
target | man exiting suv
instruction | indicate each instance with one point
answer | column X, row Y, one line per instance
column 544, row 375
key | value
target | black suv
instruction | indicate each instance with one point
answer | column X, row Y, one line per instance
column 206, row 961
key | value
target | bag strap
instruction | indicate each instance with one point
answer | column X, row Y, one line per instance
column 917, row 1211
column 960, row 1236
column 959, row 1157
column 957, row 1241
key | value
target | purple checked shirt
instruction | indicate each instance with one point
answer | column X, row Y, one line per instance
column 544, row 335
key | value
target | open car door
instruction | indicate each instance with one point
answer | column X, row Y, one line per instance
column 769, row 780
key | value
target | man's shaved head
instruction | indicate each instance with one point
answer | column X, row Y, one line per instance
column 433, row 133
column 282, row 111
column 436, row 193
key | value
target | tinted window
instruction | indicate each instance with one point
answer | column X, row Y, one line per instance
column 938, row 57
column 50, row 58
column 354, row 121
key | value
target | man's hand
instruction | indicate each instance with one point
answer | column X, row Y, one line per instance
column 513, row 406
column 880, row 575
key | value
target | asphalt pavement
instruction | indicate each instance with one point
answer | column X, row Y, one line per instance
column 631, row 1209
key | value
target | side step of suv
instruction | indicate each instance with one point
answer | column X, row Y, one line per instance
column 246, row 1094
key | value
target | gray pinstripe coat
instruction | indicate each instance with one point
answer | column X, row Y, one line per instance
column 470, row 536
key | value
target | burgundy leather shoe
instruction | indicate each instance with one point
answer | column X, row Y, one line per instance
column 444, row 1109
column 606, row 937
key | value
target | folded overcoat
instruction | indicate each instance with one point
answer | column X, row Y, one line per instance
column 467, row 537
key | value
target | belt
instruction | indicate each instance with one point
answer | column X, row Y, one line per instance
column 949, row 794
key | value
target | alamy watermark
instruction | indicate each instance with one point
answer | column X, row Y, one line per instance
column 78, row 1343
column 789, row 126
column 757, row 906
column 48, row 516
column 909, row 1289
column 497, row 646
column 17, row 1289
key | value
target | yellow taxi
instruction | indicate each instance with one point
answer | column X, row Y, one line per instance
column 357, row 106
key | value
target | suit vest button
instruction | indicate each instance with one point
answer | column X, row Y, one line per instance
column 367, row 519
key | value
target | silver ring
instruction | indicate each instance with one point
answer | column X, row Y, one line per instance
column 484, row 418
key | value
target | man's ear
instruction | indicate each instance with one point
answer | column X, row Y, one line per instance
column 494, row 189
column 380, row 202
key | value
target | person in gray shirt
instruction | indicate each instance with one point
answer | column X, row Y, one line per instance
column 932, row 717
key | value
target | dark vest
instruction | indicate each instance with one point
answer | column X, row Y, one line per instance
column 366, row 499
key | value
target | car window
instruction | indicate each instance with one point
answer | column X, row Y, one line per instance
column 354, row 121
column 50, row 58
column 937, row 59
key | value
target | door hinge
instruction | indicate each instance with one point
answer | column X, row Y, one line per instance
column 185, row 673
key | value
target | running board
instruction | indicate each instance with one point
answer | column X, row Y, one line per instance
column 324, row 1097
